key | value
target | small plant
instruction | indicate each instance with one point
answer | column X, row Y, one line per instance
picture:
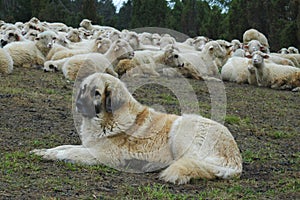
column 231, row 119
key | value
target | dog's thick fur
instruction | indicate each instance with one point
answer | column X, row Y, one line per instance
column 118, row 131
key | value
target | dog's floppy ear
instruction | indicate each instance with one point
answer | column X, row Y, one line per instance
column 114, row 99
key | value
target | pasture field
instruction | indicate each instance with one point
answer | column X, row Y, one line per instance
column 35, row 112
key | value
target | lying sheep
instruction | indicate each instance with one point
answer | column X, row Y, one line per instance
column 236, row 70
column 290, row 82
column 6, row 62
column 150, row 63
column 199, row 42
column 80, row 66
column 99, row 45
column 253, row 34
column 28, row 53
column 268, row 73
column 293, row 50
column 119, row 50
column 283, row 51
column 11, row 36
column 74, row 35
column 254, row 45
column 294, row 58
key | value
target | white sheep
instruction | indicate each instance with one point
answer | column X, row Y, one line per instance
column 199, row 42
column 74, row 35
column 236, row 70
column 87, row 24
column 11, row 36
column 99, row 45
column 283, row 51
column 119, row 50
column 30, row 53
column 291, row 82
column 253, row 34
column 83, row 65
column 293, row 50
column 6, row 62
column 268, row 73
column 288, row 58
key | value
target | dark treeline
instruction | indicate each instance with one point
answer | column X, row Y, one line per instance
column 279, row 20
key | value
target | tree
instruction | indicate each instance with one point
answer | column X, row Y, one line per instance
column 89, row 11
column 125, row 15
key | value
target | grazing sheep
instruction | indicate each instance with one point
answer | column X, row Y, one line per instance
column 268, row 73
column 6, row 62
column 253, row 34
column 28, row 53
column 120, row 132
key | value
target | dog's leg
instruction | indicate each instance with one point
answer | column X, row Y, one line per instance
column 68, row 153
column 182, row 170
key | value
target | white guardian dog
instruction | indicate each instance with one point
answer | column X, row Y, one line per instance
column 118, row 131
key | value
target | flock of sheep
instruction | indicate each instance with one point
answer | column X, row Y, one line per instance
column 55, row 47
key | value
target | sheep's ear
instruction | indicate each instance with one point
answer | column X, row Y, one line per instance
column 17, row 37
column 248, row 55
column 37, row 38
column 246, row 46
column 265, row 56
column 211, row 48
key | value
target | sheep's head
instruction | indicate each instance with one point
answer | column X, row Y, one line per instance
column 172, row 57
column 254, row 45
column 123, row 49
column 102, row 44
column 10, row 36
column 199, row 42
column 86, row 24
column 46, row 39
column 258, row 58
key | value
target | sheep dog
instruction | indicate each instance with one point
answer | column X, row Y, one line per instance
column 120, row 132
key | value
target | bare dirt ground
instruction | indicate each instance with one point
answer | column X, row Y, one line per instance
column 35, row 112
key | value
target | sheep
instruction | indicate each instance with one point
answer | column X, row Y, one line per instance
column 133, row 39
column 87, row 24
column 239, row 53
column 28, row 53
column 253, row 34
column 119, row 50
column 237, row 70
column 80, row 66
column 268, row 73
column 254, row 45
column 31, row 35
column 150, row 63
column 291, row 59
column 165, row 40
column 199, row 42
column 74, row 35
column 283, row 51
column 99, row 45
column 291, row 81
column 6, row 62
column 11, row 36
column 206, row 62
column 236, row 44
column 145, row 38
column 293, row 50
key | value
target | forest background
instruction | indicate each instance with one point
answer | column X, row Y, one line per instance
column 279, row 20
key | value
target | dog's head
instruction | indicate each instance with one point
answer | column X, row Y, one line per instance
column 100, row 95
